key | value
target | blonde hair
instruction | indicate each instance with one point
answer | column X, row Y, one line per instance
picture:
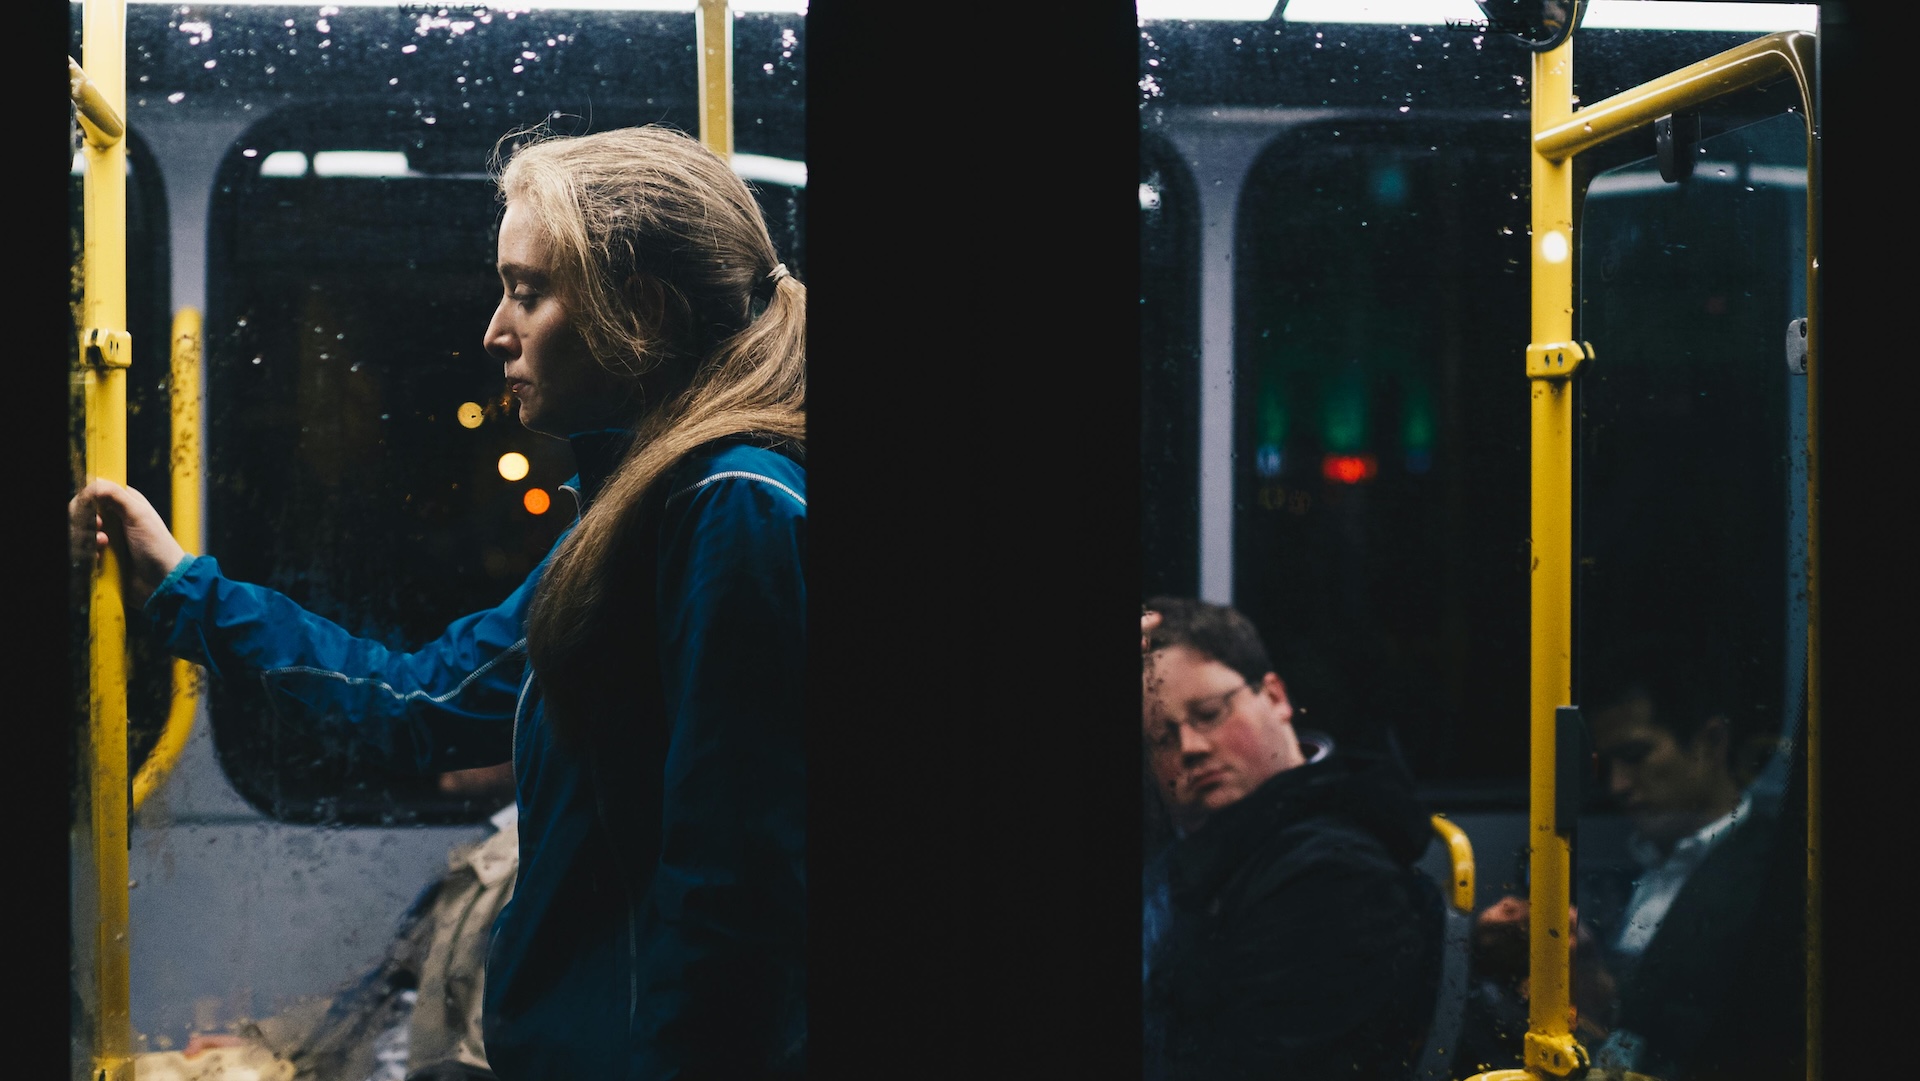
column 662, row 258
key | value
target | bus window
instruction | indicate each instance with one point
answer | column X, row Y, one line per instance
column 356, row 429
column 1379, row 475
column 1356, row 391
column 1691, row 607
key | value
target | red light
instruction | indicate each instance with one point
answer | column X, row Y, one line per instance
column 1348, row 468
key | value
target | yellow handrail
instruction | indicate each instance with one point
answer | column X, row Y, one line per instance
column 713, row 45
column 105, row 352
column 1460, row 859
column 186, row 529
column 1789, row 53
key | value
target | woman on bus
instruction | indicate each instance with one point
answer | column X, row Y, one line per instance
column 646, row 678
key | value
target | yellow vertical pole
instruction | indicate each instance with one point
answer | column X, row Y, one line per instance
column 713, row 43
column 1550, row 1047
column 105, row 352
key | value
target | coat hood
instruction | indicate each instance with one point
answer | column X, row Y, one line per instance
column 1371, row 792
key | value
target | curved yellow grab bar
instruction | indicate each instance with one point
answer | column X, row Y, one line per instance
column 1762, row 60
column 186, row 529
column 1460, row 858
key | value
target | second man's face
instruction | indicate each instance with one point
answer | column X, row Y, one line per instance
column 1667, row 788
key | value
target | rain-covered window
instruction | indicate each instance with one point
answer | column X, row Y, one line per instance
column 1336, row 443
column 362, row 456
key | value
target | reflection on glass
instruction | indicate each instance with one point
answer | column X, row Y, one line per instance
column 1690, row 647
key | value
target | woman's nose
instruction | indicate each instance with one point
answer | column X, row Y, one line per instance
column 497, row 342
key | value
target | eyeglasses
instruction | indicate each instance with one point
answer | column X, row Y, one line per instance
column 1202, row 719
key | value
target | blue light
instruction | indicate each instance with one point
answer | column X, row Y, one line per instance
column 1267, row 461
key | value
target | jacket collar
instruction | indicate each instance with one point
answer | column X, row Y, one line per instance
column 596, row 455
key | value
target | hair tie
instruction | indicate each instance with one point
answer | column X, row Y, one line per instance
column 764, row 288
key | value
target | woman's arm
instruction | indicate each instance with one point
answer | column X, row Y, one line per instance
column 446, row 706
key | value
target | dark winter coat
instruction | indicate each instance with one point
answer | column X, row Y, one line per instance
column 1295, row 939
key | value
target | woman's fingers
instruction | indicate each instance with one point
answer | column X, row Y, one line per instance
column 124, row 518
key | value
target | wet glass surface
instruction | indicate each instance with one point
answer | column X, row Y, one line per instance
column 1691, row 604
column 1346, row 456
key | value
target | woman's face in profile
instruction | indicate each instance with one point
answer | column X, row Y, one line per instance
column 560, row 387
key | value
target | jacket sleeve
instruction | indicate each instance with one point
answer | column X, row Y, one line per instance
column 721, row 967
column 446, row 706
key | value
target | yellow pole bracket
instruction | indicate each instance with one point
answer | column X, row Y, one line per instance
column 1556, row 360
column 1556, row 1053
column 98, row 118
column 106, row 348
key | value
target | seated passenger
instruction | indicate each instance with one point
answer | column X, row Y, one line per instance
column 1708, row 952
column 1287, row 932
column 413, row 1017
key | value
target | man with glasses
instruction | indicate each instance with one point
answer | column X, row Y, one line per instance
column 1287, row 931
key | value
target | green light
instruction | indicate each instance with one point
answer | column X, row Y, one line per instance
column 1343, row 426
column 1416, row 433
column 1272, row 420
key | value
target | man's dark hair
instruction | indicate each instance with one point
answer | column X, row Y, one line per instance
column 1214, row 631
column 1685, row 683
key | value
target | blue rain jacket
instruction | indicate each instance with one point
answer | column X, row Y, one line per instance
column 656, row 927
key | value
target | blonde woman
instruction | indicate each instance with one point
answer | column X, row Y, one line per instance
column 646, row 679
